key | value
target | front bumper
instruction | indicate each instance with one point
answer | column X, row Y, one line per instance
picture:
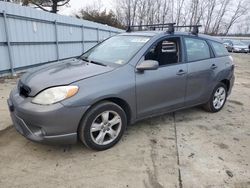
column 47, row 124
column 243, row 50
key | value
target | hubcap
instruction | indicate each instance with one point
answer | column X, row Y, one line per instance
column 219, row 98
column 106, row 127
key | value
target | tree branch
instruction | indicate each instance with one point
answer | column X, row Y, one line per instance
column 39, row 6
column 59, row 5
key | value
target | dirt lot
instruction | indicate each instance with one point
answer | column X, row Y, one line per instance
column 189, row 149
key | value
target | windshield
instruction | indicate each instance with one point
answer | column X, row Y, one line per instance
column 115, row 50
column 246, row 42
column 237, row 42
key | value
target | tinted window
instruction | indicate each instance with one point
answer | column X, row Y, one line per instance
column 219, row 49
column 197, row 49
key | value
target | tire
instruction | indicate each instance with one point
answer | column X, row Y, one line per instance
column 102, row 126
column 211, row 106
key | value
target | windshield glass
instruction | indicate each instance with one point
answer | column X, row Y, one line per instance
column 237, row 42
column 246, row 42
column 115, row 50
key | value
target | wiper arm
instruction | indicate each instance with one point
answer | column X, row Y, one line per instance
column 90, row 61
column 84, row 59
column 98, row 63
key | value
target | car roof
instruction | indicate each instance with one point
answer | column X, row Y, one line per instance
column 155, row 33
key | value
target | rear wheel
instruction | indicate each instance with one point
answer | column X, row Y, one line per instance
column 103, row 126
column 217, row 99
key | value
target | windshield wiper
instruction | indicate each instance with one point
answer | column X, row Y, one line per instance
column 98, row 63
column 94, row 62
column 84, row 59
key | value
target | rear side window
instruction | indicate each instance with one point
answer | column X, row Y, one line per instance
column 197, row 49
column 219, row 49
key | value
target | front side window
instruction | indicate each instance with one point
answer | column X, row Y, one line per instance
column 219, row 49
column 116, row 50
column 166, row 51
column 197, row 49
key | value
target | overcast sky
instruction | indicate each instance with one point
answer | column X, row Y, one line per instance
column 75, row 5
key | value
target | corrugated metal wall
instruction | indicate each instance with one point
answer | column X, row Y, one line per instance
column 29, row 37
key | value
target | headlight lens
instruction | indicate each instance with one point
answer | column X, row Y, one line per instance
column 55, row 94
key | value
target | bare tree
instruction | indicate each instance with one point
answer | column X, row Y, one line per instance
column 165, row 10
column 141, row 11
column 241, row 9
column 45, row 5
column 221, row 13
column 179, row 7
column 216, row 16
column 209, row 15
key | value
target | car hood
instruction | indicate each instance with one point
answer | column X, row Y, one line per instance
column 61, row 73
column 240, row 46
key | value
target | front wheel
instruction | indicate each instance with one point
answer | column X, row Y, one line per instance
column 103, row 126
column 217, row 99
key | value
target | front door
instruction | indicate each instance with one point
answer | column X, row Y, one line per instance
column 163, row 89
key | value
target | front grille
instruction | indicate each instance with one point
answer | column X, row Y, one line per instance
column 23, row 89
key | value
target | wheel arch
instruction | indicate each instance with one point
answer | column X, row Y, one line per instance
column 117, row 100
column 227, row 83
column 123, row 104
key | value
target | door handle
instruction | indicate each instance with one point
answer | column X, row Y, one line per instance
column 180, row 72
column 213, row 66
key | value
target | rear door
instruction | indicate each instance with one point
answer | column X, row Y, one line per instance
column 200, row 70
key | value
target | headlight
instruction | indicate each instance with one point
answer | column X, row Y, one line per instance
column 55, row 94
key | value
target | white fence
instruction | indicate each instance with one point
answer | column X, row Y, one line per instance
column 29, row 37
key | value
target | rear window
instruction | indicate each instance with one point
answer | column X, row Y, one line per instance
column 219, row 49
column 197, row 49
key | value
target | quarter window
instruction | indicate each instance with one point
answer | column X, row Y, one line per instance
column 197, row 49
column 219, row 49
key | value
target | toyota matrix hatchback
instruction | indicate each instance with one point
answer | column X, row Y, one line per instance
column 126, row 78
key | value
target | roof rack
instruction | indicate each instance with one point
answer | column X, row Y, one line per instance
column 170, row 27
column 153, row 27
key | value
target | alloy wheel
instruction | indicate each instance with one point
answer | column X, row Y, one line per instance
column 105, row 128
column 219, row 98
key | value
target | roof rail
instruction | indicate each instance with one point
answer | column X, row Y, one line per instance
column 170, row 27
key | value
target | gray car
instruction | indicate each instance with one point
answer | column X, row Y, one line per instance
column 124, row 79
column 246, row 42
column 236, row 46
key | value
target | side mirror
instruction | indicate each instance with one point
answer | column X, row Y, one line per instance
column 147, row 65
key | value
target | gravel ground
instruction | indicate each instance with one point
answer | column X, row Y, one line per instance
column 186, row 149
column 6, row 85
